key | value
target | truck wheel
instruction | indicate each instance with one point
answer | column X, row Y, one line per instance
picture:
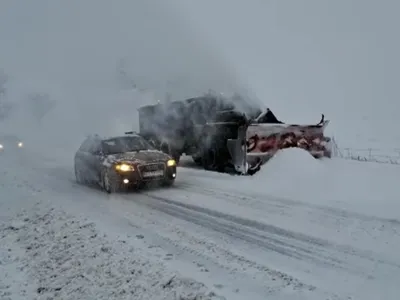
column 197, row 160
column 209, row 159
column 166, row 148
column 177, row 157
column 212, row 160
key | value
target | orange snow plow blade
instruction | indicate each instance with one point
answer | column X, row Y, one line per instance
column 263, row 140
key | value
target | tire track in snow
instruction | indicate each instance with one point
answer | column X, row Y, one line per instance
column 239, row 196
column 286, row 206
column 270, row 237
column 244, row 230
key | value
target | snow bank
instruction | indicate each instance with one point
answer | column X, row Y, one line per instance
column 47, row 254
column 370, row 188
column 291, row 162
column 292, row 170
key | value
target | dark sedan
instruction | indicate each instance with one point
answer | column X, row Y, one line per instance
column 116, row 163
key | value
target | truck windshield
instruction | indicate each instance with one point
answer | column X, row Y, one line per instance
column 125, row 144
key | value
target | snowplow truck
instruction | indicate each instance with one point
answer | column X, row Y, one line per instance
column 220, row 137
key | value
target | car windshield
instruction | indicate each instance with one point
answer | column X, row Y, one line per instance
column 125, row 144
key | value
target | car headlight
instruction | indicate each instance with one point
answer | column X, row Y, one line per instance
column 1, row 146
column 171, row 163
column 20, row 144
column 124, row 167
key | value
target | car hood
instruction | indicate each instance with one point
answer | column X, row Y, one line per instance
column 141, row 157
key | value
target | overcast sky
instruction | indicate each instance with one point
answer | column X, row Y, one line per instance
column 300, row 57
column 82, row 41
column 342, row 52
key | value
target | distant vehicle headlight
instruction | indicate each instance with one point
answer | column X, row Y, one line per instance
column 124, row 167
column 1, row 146
column 20, row 144
column 171, row 163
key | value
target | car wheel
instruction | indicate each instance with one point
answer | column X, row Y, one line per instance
column 109, row 183
column 78, row 176
column 166, row 148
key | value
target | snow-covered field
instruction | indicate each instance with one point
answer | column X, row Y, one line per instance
column 299, row 229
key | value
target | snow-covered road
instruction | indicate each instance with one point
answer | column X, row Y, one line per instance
column 299, row 229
